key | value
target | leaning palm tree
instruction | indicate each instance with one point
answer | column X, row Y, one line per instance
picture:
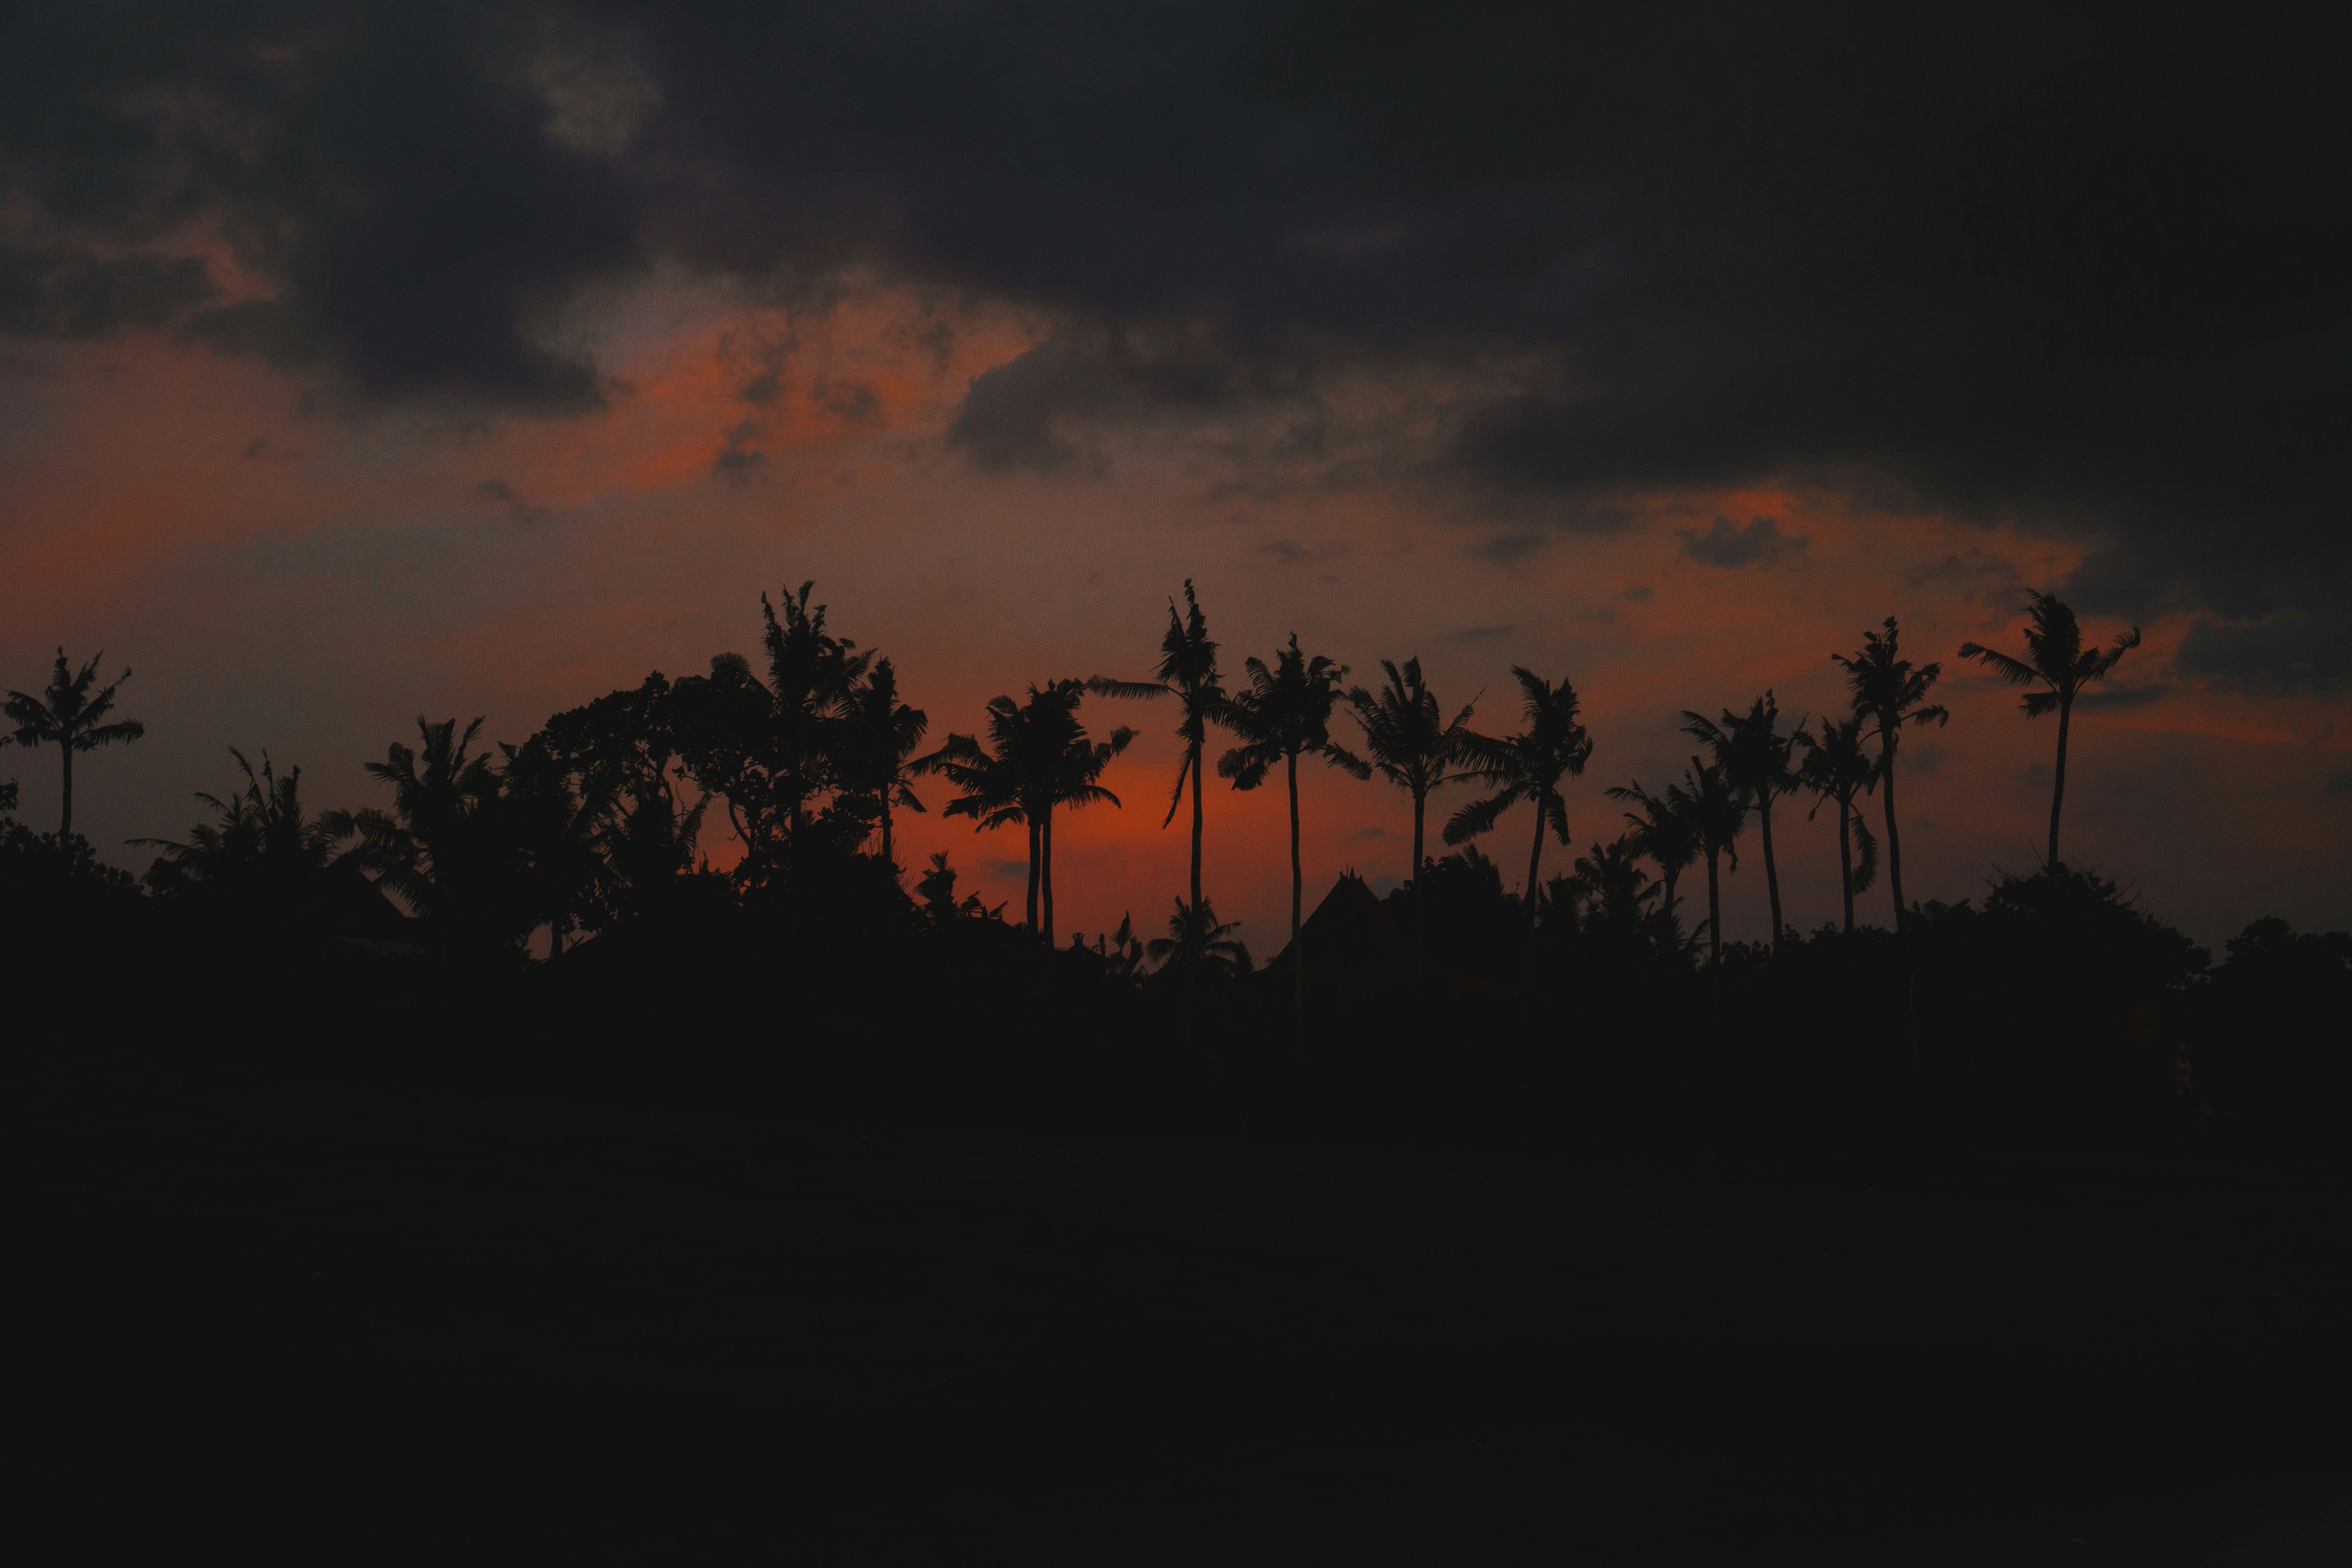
column 1188, row 672
column 1888, row 694
column 1838, row 768
column 1285, row 714
column 2055, row 656
column 1664, row 831
column 72, row 717
column 1528, row 767
column 878, row 750
column 1407, row 743
column 1718, row 811
column 1757, row 759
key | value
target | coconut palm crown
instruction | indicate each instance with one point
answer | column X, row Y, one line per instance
column 71, row 717
column 2055, row 660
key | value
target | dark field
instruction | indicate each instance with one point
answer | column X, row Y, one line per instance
column 318, row 1321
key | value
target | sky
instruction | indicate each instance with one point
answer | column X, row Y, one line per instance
column 360, row 362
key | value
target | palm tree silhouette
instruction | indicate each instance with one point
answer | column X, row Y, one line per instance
column 1611, row 881
column 563, row 823
column 1408, row 745
column 1071, row 763
column 1286, row 712
column 1838, row 769
column 1188, row 671
column 70, row 717
column 1888, row 694
column 1528, row 767
column 262, row 827
column 1755, row 758
column 2056, row 657
column 433, row 848
column 811, row 680
column 1664, row 831
column 997, row 781
column 1201, row 943
column 1718, row 811
column 882, row 733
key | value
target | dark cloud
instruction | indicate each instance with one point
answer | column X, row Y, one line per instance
column 2341, row 783
column 1756, row 542
column 2019, row 262
column 498, row 492
column 1637, row 593
column 1507, row 549
column 2291, row 650
column 2123, row 698
column 739, row 461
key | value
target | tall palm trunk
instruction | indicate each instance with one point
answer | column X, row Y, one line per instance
column 1771, row 872
column 1030, row 909
column 65, row 749
column 888, row 859
column 1045, row 872
column 1714, row 913
column 2058, row 789
column 1297, row 893
column 1192, row 949
column 1893, row 838
column 1845, row 858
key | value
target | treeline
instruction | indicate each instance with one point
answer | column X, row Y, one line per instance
column 815, row 968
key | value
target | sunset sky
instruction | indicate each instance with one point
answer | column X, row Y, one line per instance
column 363, row 361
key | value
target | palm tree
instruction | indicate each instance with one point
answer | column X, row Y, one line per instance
column 812, row 680
column 436, row 848
column 1201, row 942
column 993, row 781
column 1188, row 672
column 2056, row 657
column 1286, row 712
column 262, row 830
column 1528, row 767
column 1664, row 831
column 881, row 737
column 70, row 717
column 1718, row 811
column 1838, row 769
column 1411, row 747
column 1610, row 881
column 1072, row 765
column 1888, row 694
column 1756, row 758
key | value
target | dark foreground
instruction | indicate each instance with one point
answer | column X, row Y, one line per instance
column 317, row 1320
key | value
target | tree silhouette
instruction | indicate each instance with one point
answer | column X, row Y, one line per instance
column 631, row 738
column 1188, row 671
column 1755, row 757
column 1528, row 767
column 1666, row 830
column 1200, row 943
column 1838, row 768
column 812, row 678
column 1888, row 694
column 2055, row 656
column 438, row 848
column 69, row 716
column 262, row 836
column 1718, row 811
column 1610, row 881
column 1039, row 757
column 1407, row 743
column 879, row 742
column 1285, row 713
column 1072, row 765
column 559, row 824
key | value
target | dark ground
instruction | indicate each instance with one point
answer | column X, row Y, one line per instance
column 316, row 1321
